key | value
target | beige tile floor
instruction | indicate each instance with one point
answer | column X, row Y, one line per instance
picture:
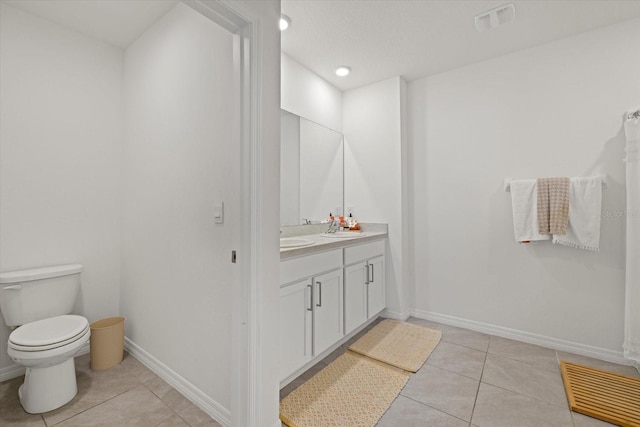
column 477, row 380
column 470, row 380
column 128, row 394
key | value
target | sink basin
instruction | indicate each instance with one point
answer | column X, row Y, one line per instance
column 343, row 234
column 295, row 242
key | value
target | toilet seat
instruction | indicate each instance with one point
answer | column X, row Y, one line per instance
column 50, row 379
column 48, row 334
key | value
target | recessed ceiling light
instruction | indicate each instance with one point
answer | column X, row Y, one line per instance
column 285, row 21
column 343, row 71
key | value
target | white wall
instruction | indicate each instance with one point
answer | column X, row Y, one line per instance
column 308, row 95
column 176, row 274
column 553, row 110
column 373, row 133
column 60, row 157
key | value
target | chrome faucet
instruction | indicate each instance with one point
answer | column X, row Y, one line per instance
column 333, row 226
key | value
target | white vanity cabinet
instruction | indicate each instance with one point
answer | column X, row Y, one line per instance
column 375, row 288
column 355, row 296
column 364, row 290
column 311, row 313
column 295, row 326
column 326, row 295
column 327, row 310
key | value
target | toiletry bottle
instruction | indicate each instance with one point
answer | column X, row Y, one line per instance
column 354, row 224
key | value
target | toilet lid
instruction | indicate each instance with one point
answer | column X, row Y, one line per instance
column 49, row 331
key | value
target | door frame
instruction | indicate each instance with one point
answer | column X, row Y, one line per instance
column 247, row 354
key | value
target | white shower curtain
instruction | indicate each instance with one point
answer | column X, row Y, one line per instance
column 631, row 345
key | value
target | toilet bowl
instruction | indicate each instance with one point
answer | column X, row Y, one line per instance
column 37, row 302
column 47, row 348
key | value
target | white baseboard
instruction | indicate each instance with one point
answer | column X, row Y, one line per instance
column 11, row 371
column 528, row 337
column 191, row 392
column 394, row 315
column 14, row 370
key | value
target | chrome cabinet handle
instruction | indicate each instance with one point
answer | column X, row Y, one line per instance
column 319, row 304
column 367, row 280
column 372, row 270
column 310, row 298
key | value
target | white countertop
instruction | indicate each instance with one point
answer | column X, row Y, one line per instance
column 320, row 243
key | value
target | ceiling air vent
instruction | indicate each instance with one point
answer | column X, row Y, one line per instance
column 495, row 17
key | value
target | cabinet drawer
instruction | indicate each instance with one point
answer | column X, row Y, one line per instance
column 358, row 253
column 307, row 266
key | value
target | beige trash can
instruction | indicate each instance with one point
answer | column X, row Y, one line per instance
column 107, row 342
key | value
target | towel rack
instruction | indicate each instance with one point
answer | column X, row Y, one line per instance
column 507, row 183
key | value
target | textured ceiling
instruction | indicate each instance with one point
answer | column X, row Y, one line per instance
column 379, row 39
column 117, row 22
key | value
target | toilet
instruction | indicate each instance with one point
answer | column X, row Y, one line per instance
column 37, row 302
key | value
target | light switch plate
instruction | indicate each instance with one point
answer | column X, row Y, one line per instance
column 218, row 213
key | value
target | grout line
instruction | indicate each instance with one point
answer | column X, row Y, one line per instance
column 166, row 419
column 573, row 420
column 465, row 346
column 518, row 361
column 484, row 364
column 454, row 372
column 513, row 391
column 435, row 409
column 457, row 373
column 440, row 410
column 98, row 404
column 528, row 397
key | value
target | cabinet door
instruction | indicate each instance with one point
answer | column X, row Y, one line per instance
column 295, row 326
column 327, row 310
column 355, row 296
column 376, row 291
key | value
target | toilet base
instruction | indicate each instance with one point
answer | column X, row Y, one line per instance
column 48, row 388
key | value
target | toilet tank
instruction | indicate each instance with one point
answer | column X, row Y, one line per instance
column 39, row 293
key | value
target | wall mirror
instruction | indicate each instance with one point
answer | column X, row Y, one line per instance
column 311, row 171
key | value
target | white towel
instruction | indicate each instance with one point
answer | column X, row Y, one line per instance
column 525, row 211
column 585, row 201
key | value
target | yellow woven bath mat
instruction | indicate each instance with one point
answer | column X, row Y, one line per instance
column 604, row 395
column 352, row 391
column 397, row 343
